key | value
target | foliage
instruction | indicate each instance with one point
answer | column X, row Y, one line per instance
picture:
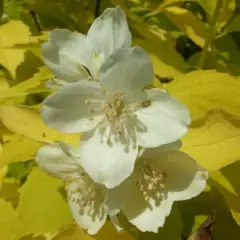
column 195, row 49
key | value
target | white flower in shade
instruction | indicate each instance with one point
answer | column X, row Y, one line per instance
column 88, row 201
column 72, row 56
column 117, row 114
column 161, row 177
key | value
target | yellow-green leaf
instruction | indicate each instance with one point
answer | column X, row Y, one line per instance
column 107, row 232
column 226, row 181
column 166, row 60
column 195, row 211
column 42, row 207
column 27, row 121
column 15, row 31
column 24, row 88
column 18, row 149
column 201, row 91
column 214, row 139
column 188, row 23
column 9, row 222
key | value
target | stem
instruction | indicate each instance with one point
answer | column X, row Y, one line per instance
column 97, row 10
column 210, row 34
column 34, row 17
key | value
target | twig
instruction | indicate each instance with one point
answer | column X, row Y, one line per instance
column 34, row 17
column 97, row 9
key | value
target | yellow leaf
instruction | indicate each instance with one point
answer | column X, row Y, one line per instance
column 201, row 91
column 213, row 140
column 27, row 121
column 15, row 31
column 18, row 149
column 107, row 232
column 24, row 88
column 188, row 23
column 166, row 60
column 42, row 207
column 9, row 222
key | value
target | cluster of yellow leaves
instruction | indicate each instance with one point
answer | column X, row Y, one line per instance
column 38, row 207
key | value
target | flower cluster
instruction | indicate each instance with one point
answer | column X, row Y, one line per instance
column 130, row 132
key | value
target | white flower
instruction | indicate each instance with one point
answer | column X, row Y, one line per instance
column 117, row 114
column 72, row 56
column 161, row 176
column 87, row 200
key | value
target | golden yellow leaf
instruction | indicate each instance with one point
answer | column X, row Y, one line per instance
column 213, row 140
column 201, row 91
column 18, row 149
column 188, row 23
column 24, row 88
column 27, row 122
column 15, row 31
column 9, row 222
column 42, row 206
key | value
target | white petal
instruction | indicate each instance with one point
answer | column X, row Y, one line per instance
column 67, row 111
column 146, row 216
column 165, row 120
column 148, row 153
column 185, row 178
column 107, row 160
column 109, row 32
column 54, row 160
column 89, row 217
column 127, row 70
column 65, row 53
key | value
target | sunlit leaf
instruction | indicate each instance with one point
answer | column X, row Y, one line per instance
column 9, row 222
column 201, row 91
column 213, row 139
column 24, row 88
column 27, row 121
column 18, row 149
column 42, row 207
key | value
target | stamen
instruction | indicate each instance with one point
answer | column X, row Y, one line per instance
column 146, row 103
column 152, row 182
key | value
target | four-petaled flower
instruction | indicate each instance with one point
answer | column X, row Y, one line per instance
column 73, row 56
column 117, row 115
column 161, row 176
column 88, row 201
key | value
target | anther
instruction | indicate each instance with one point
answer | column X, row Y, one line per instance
column 146, row 103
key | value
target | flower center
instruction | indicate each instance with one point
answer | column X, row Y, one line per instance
column 152, row 182
column 86, row 194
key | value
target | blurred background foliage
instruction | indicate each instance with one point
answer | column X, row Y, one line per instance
column 195, row 49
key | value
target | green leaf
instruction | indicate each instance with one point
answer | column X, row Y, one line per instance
column 226, row 181
column 188, row 23
column 42, row 207
column 195, row 211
